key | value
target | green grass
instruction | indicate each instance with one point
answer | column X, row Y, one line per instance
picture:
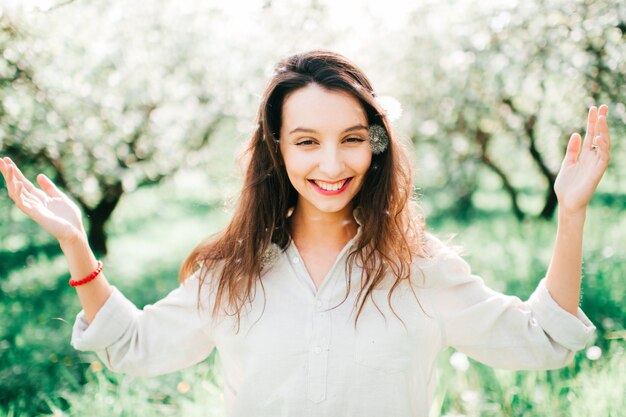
column 153, row 230
column 192, row 392
column 584, row 388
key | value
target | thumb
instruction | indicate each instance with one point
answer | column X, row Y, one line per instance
column 48, row 186
column 573, row 148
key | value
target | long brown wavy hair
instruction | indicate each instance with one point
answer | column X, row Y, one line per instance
column 392, row 231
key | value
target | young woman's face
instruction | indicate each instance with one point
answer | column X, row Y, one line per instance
column 325, row 146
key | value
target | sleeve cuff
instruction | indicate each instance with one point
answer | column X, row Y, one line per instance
column 111, row 321
column 572, row 332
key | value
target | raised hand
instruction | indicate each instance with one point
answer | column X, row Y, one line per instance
column 582, row 170
column 48, row 206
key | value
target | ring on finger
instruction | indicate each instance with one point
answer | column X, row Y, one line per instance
column 594, row 146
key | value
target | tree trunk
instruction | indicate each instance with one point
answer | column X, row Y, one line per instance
column 508, row 187
column 464, row 208
column 550, row 205
column 97, row 235
column 100, row 215
column 483, row 139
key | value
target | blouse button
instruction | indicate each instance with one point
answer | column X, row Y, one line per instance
column 533, row 322
column 295, row 260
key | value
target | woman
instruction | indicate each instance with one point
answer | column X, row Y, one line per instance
column 324, row 295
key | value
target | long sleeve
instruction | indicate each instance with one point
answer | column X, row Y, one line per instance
column 500, row 330
column 170, row 335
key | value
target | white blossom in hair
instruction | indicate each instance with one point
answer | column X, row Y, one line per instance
column 391, row 107
column 379, row 140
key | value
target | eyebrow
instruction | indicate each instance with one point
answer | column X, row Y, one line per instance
column 307, row 130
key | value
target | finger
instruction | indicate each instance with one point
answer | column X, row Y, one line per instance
column 29, row 205
column 603, row 148
column 603, row 110
column 573, row 148
column 602, row 130
column 18, row 197
column 27, row 194
column 48, row 186
column 601, row 163
column 14, row 186
column 27, row 184
column 591, row 123
column 3, row 169
column 29, row 200
column 11, row 182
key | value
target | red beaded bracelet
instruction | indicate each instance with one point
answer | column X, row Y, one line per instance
column 91, row 276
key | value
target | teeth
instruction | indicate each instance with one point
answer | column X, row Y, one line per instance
column 329, row 186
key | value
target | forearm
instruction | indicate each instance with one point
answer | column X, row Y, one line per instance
column 565, row 271
column 82, row 262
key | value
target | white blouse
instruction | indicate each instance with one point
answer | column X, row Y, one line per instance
column 296, row 355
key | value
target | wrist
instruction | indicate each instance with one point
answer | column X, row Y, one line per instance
column 75, row 242
column 578, row 214
column 80, row 259
column 571, row 221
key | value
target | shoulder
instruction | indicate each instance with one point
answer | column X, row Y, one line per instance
column 201, row 282
column 209, row 272
column 441, row 265
column 434, row 247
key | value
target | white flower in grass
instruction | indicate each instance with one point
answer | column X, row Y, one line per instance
column 470, row 397
column 459, row 361
column 594, row 353
column 96, row 366
column 539, row 395
column 183, row 387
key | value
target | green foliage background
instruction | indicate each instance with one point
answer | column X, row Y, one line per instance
column 146, row 105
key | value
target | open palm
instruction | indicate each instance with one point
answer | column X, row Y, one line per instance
column 48, row 206
column 582, row 169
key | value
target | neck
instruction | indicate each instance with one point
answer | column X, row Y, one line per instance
column 332, row 230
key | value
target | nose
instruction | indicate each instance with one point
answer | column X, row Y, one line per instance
column 332, row 162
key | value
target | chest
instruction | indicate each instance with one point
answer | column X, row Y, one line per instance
column 288, row 328
column 318, row 264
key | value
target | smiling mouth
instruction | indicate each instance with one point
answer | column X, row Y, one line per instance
column 336, row 186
